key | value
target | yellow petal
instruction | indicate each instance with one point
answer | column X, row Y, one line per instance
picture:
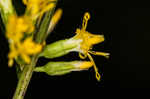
column 96, row 39
column 86, row 65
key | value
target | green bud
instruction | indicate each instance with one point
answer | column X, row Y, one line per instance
column 6, row 9
column 56, row 68
column 61, row 68
column 60, row 48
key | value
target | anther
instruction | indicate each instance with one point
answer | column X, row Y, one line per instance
column 86, row 16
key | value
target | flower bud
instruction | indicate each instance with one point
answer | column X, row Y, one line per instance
column 61, row 68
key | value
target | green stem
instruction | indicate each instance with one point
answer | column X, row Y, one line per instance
column 25, row 79
column 27, row 72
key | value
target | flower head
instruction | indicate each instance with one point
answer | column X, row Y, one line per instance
column 88, row 40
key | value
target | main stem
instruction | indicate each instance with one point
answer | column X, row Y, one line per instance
column 25, row 79
column 28, row 69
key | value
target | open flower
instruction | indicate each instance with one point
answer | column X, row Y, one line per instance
column 23, row 49
column 38, row 7
column 88, row 40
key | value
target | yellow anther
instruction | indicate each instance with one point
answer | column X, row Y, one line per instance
column 98, row 76
column 85, row 20
column 100, row 53
column 95, row 68
column 87, row 16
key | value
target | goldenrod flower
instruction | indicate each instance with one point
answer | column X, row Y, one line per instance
column 23, row 49
column 88, row 40
column 17, row 26
column 38, row 7
column 61, row 68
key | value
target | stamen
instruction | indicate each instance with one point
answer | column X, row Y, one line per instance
column 82, row 56
column 85, row 20
column 95, row 68
column 100, row 53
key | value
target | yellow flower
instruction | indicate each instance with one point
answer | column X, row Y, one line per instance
column 38, row 7
column 17, row 26
column 23, row 49
column 88, row 40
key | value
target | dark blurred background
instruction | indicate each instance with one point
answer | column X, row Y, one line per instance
column 128, row 66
